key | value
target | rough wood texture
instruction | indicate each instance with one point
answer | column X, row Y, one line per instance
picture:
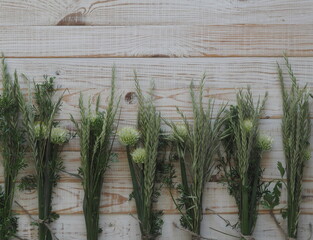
column 236, row 42
column 125, row 227
column 157, row 41
column 172, row 78
column 163, row 12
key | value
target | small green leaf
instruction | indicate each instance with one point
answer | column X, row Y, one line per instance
column 281, row 169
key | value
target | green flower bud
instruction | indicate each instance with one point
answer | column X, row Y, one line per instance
column 181, row 131
column 41, row 131
column 139, row 155
column 247, row 125
column 59, row 135
column 128, row 136
column 265, row 142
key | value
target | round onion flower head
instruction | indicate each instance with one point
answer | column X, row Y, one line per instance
column 139, row 155
column 247, row 125
column 180, row 132
column 307, row 155
column 265, row 142
column 128, row 136
column 59, row 135
column 41, row 131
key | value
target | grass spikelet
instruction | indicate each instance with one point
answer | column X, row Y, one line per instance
column 96, row 131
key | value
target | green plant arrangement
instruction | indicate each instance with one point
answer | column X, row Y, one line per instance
column 241, row 170
column 296, row 130
column 45, row 140
column 12, row 140
column 95, row 130
column 143, row 146
column 195, row 146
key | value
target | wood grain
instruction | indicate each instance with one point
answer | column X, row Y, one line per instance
column 163, row 12
column 240, row 40
column 119, row 170
column 124, row 227
column 236, row 42
column 68, row 199
column 172, row 78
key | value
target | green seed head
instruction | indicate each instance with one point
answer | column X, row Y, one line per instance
column 128, row 136
column 41, row 131
column 139, row 155
column 59, row 135
column 180, row 132
column 265, row 142
column 247, row 125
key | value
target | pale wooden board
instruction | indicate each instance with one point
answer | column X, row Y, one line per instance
column 163, row 12
column 68, row 199
column 154, row 41
column 125, row 227
column 271, row 127
column 117, row 187
column 171, row 76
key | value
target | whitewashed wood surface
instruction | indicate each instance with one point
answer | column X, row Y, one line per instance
column 236, row 42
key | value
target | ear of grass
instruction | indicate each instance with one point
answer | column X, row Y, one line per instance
column 41, row 108
column 12, row 139
column 95, row 130
column 241, row 164
column 296, row 130
column 196, row 156
column 144, row 175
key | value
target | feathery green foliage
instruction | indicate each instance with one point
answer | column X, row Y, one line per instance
column 243, row 153
column 195, row 146
column 144, row 163
column 12, row 148
column 296, row 130
column 95, row 131
column 38, row 112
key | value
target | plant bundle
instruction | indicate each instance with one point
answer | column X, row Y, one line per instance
column 195, row 147
column 142, row 146
column 12, row 148
column 45, row 139
column 95, row 130
column 296, row 129
column 244, row 146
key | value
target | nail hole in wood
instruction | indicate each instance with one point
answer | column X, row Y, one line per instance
column 130, row 97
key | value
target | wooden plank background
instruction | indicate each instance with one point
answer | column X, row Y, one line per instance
column 236, row 42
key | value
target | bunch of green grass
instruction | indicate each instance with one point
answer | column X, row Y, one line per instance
column 195, row 147
column 244, row 147
column 45, row 140
column 12, row 148
column 296, row 130
column 142, row 147
column 95, row 131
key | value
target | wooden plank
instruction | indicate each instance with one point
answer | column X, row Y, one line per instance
column 155, row 41
column 131, row 12
column 172, row 78
column 125, row 227
column 68, row 199
column 71, row 157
